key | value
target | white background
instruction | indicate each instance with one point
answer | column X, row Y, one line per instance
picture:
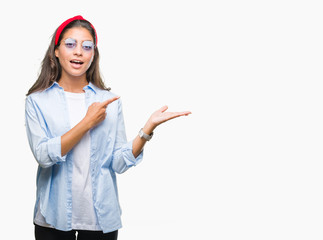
column 247, row 164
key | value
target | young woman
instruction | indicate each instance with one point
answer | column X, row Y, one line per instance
column 76, row 132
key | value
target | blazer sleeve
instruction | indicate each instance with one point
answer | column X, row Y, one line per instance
column 123, row 157
column 46, row 149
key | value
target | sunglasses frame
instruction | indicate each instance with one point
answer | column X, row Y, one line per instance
column 75, row 44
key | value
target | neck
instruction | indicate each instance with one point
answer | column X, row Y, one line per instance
column 73, row 84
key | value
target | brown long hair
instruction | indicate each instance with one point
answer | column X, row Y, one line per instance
column 51, row 69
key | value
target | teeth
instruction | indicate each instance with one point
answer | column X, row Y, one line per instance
column 75, row 61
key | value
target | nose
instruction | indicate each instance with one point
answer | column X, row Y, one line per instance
column 78, row 50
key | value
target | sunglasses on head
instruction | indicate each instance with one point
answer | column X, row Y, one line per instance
column 71, row 43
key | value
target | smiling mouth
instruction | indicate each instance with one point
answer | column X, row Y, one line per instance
column 76, row 62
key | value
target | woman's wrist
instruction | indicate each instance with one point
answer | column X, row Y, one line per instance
column 149, row 127
column 86, row 124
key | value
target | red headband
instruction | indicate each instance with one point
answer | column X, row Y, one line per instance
column 64, row 24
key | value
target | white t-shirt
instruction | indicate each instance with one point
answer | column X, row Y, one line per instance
column 83, row 214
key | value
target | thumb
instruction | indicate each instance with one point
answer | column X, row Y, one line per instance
column 163, row 109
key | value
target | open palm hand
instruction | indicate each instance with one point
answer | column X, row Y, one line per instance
column 161, row 116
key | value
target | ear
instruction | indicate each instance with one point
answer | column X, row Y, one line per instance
column 56, row 52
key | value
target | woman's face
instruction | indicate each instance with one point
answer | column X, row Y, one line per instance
column 75, row 52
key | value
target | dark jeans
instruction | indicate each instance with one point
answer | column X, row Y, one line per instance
column 44, row 233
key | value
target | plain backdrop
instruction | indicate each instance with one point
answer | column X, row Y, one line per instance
column 247, row 164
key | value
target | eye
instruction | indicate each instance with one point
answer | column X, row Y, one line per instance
column 88, row 45
column 70, row 43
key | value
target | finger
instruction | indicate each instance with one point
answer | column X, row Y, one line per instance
column 185, row 113
column 163, row 109
column 94, row 104
column 107, row 102
column 178, row 114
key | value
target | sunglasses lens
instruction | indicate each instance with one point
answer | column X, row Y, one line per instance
column 88, row 45
column 70, row 43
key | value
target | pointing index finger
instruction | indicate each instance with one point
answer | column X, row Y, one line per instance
column 107, row 102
